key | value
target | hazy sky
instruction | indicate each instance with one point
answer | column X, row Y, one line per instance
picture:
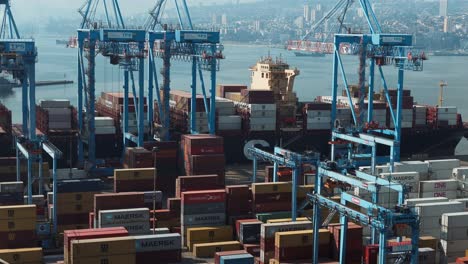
column 24, row 10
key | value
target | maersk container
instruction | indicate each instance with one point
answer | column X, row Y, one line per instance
column 123, row 216
column 159, row 242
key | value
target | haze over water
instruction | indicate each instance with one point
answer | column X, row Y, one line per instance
column 57, row 62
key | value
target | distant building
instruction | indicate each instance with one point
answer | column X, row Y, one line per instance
column 447, row 24
column 299, row 22
column 214, row 19
column 306, row 13
column 443, row 10
column 360, row 12
column 258, row 25
column 224, row 20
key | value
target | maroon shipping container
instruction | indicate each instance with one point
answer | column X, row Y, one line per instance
column 317, row 106
column 114, row 201
column 218, row 255
column 168, row 256
column 238, row 200
column 354, row 251
column 72, row 219
column 258, row 96
column 272, row 207
column 138, row 158
column 18, row 239
column 197, row 183
column 133, row 186
column 252, row 249
column 203, row 144
column 203, row 197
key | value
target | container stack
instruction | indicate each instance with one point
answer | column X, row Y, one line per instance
column 58, row 120
column 227, row 120
column 454, row 236
column 223, row 89
column 379, row 113
column 5, row 131
column 430, row 216
column 410, row 179
column 17, row 226
column 74, row 202
column 83, row 234
column 461, row 175
column 201, row 235
column 420, row 115
column 204, row 154
column 11, row 193
column 319, row 116
column 162, row 248
column 165, row 160
column 268, row 233
column 257, row 117
column 238, row 203
column 138, row 158
column 438, row 188
column 447, row 116
column 201, row 209
column 271, row 197
column 167, row 218
column 354, row 242
column 136, row 221
column 196, row 183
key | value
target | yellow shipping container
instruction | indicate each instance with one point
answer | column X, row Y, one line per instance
column 428, row 242
column 17, row 225
column 284, row 220
column 24, row 169
column 102, row 247
column 300, row 238
column 17, row 212
column 21, row 255
column 85, row 197
column 208, row 235
column 134, row 174
column 207, row 250
column 303, row 190
column 271, row 187
column 113, row 259
column 466, row 253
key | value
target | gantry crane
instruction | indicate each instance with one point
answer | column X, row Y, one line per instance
column 284, row 157
column 125, row 48
column 380, row 49
column 201, row 47
column 18, row 57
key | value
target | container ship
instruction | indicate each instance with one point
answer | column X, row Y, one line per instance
column 268, row 113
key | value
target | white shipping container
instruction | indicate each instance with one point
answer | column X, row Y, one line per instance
column 115, row 217
column 262, row 107
column 263, row 127
column 59, row 111
column 318, row 120
column 437, row 209
column 441, row 175
column 413, row 202
column 103, row 130
column 446, row 109
column 432, row 222
column 438, row 185
column 318, row 113
column 453, row 246
column 447, row 194
column 102, row 121
column 454, row 233
column 409, row 178
column 412, row 166
column 55, row 103
column 464, row 201
column 459, row 219
column 262, row 121
column 447, row 164
column 162, row 242
column 460, row 173
column 263, row 114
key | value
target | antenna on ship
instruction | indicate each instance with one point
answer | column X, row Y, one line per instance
column 442, row 85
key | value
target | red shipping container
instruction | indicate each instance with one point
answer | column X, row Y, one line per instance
column 463, row 260
column 201, row 197
column 218, row 255
column 114, row 201
column 197, row 183
column 203, row 144
column 173, row 204
column 371, row 253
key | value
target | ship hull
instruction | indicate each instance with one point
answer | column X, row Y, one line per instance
column 415, row 143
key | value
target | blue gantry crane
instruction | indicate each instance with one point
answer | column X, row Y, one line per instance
column 376, row 49
column 125, row 48
column 284, row 157
column 18, row 57
column 201, row 47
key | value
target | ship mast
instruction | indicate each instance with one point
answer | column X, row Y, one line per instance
column 442, row 85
